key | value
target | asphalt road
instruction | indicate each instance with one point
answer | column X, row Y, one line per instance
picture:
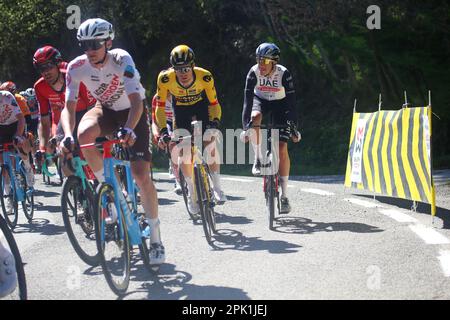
column 336, row 244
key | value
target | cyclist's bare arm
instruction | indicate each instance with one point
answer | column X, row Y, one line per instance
column 68, row 117
column 44, row 132
column 136, row 110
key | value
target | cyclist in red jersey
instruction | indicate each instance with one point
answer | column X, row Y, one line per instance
column 50, row 92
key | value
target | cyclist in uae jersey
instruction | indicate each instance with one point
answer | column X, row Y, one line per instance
column 269, row 88
column 112, row 78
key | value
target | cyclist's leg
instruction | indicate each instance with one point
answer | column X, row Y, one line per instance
column 182, row 152
column 140, row 167
column 95, row 124
column 255, row 134
column 6, row 136
column 24, row 155
column 284, row 163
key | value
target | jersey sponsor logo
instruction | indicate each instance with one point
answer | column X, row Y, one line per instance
column 129, row 72
column 268, row 89
column 5, row 113
column 117, row 59
column 189, row 99
column 95, row 78
column 110, row 93
column 78, row 64
column 165, row 79
column 264, row 82
column 207, row 78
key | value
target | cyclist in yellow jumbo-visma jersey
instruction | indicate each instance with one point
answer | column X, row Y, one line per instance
column 193, row 98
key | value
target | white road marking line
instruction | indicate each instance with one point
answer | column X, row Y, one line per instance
column 318, row 191
column 237, row 180
column 363, row 203
column 429, row 235
column 397, row 215
column 444, row 258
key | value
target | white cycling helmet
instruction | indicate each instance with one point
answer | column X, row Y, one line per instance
column 95, row 29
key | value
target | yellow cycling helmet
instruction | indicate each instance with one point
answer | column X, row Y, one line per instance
column 181, row 55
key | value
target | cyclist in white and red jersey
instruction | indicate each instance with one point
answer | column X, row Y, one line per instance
column 112, row 78
column 12, row 129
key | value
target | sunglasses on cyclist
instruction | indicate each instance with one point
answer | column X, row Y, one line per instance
column 262, row 60
column 41, row 68
column 91, row 44
column 182, row 69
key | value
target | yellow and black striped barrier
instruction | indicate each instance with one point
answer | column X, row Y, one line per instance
column 390, row 154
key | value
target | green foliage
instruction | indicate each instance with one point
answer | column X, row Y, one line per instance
column 333, row 57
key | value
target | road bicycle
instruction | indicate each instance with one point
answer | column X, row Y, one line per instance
column 78, row 207
column 118, row 226
column 13, row 186
column 269, row 169
column 44, row 165
column 204, row 195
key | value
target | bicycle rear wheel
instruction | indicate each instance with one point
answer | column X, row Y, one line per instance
column 204, row 202
column 112, row 240
column 8, row 242
column 11, row 214
column 78, row 211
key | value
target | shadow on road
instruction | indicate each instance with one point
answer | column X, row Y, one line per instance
column 45, row 194
column 422, row 207
column 42, row 226
column 223, row 218
column 228, row 239
column 172, row 284
column 166, row 202
column 39, row 206
column 235, row 198
column 307, row 226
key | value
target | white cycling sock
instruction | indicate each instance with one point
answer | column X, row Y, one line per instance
column 284, row 186
column 257, row 151
column 155, row 234
column 26, row 163
column 216, row 181
column 190, row 186
column 100, row 175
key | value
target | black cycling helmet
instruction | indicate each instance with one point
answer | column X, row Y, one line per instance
column 269, row 51
column 181, row 55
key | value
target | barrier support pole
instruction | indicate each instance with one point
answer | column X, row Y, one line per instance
column 433, row 190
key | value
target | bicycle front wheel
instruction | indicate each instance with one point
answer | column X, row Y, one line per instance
column 112, row 240
column 78, row 211
column 28, row 203
column 8, row 198
column 185, row 191
column 8, row 242
column 270, row 199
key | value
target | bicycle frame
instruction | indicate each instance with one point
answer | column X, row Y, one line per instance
column 8, row 154
column 44, row 168
column 110, row 163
